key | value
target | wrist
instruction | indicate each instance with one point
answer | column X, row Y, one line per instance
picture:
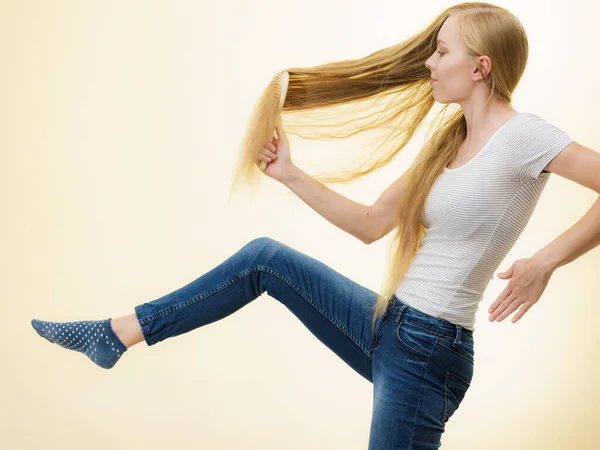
column 288, row 173
column 546, row 260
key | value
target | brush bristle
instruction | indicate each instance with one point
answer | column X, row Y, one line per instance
column 276, row 83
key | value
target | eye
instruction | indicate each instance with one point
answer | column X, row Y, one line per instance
column 441, row 53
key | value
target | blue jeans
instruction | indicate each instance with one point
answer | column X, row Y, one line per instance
column 420, row 366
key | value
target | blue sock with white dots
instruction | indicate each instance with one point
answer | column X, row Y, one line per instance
column 94, row 338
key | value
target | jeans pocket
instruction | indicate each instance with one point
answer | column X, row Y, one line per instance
column 455, row 389
column 415, row 339
column 464, row 349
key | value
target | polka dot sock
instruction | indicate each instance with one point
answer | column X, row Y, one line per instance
column 94, row 338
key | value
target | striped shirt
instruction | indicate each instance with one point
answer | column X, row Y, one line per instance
column 473, row 216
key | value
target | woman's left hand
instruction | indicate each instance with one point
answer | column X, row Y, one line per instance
column 528, row 279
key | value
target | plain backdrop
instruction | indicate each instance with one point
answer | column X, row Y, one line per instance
column 121, row 121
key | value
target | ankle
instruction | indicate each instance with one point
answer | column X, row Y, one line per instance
column 128, row 330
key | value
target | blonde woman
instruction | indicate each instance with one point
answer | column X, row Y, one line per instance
column 457, row 211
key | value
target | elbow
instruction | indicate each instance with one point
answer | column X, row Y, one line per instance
column 371, row 232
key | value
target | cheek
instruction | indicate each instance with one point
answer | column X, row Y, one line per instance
column 449, row 77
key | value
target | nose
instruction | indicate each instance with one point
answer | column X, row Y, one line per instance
column 428, row 65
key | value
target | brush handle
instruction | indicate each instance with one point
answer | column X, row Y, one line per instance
column 283, row 85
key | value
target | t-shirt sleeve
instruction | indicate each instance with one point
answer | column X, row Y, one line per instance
column 536, row 144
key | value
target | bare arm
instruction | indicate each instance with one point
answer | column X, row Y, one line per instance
column 344, row 213
column 580, row 164
column 383, row 211
column 367, row 223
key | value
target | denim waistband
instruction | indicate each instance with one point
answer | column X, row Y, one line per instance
column 441, row 327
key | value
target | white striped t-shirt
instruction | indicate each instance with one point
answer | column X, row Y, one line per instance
column 474, row 214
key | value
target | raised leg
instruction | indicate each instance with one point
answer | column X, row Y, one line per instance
column 334, row 308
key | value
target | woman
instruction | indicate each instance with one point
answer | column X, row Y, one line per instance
column 458, row 210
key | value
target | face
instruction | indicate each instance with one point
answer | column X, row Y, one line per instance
column 456, row 75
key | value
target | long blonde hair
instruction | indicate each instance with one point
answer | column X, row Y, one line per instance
column 390, row 89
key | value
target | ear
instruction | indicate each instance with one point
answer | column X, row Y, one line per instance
column 483, row 67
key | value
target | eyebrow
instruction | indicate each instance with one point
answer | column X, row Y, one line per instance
column 439, row 40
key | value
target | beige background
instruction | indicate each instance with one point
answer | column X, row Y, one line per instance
column 120, row 124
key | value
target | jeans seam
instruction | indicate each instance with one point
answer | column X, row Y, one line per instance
column 444, row 417
column 449, row 374
column 166, row 311
column 144, row 325
column 310, row 300
column 412, row 434
column 239, row 277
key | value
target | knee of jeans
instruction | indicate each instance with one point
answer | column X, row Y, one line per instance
column 263, row 240
column 260, row 250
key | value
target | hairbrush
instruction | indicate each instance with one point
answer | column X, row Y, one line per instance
column 279, row 84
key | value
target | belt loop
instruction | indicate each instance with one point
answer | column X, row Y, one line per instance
column 400, row 311
column 457, row 340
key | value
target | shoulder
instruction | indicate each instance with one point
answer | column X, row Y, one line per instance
column 531, row 129
column 527, row 122
column 533, row 143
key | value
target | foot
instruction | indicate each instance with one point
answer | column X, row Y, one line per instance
column 94, row 338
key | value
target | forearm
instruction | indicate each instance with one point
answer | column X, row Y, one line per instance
column 344, row 213
column 577, row 240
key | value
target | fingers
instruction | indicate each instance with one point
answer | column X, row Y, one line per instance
column 266, row 154
column 269, row 151
column 262, row 157
column 271, row 147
